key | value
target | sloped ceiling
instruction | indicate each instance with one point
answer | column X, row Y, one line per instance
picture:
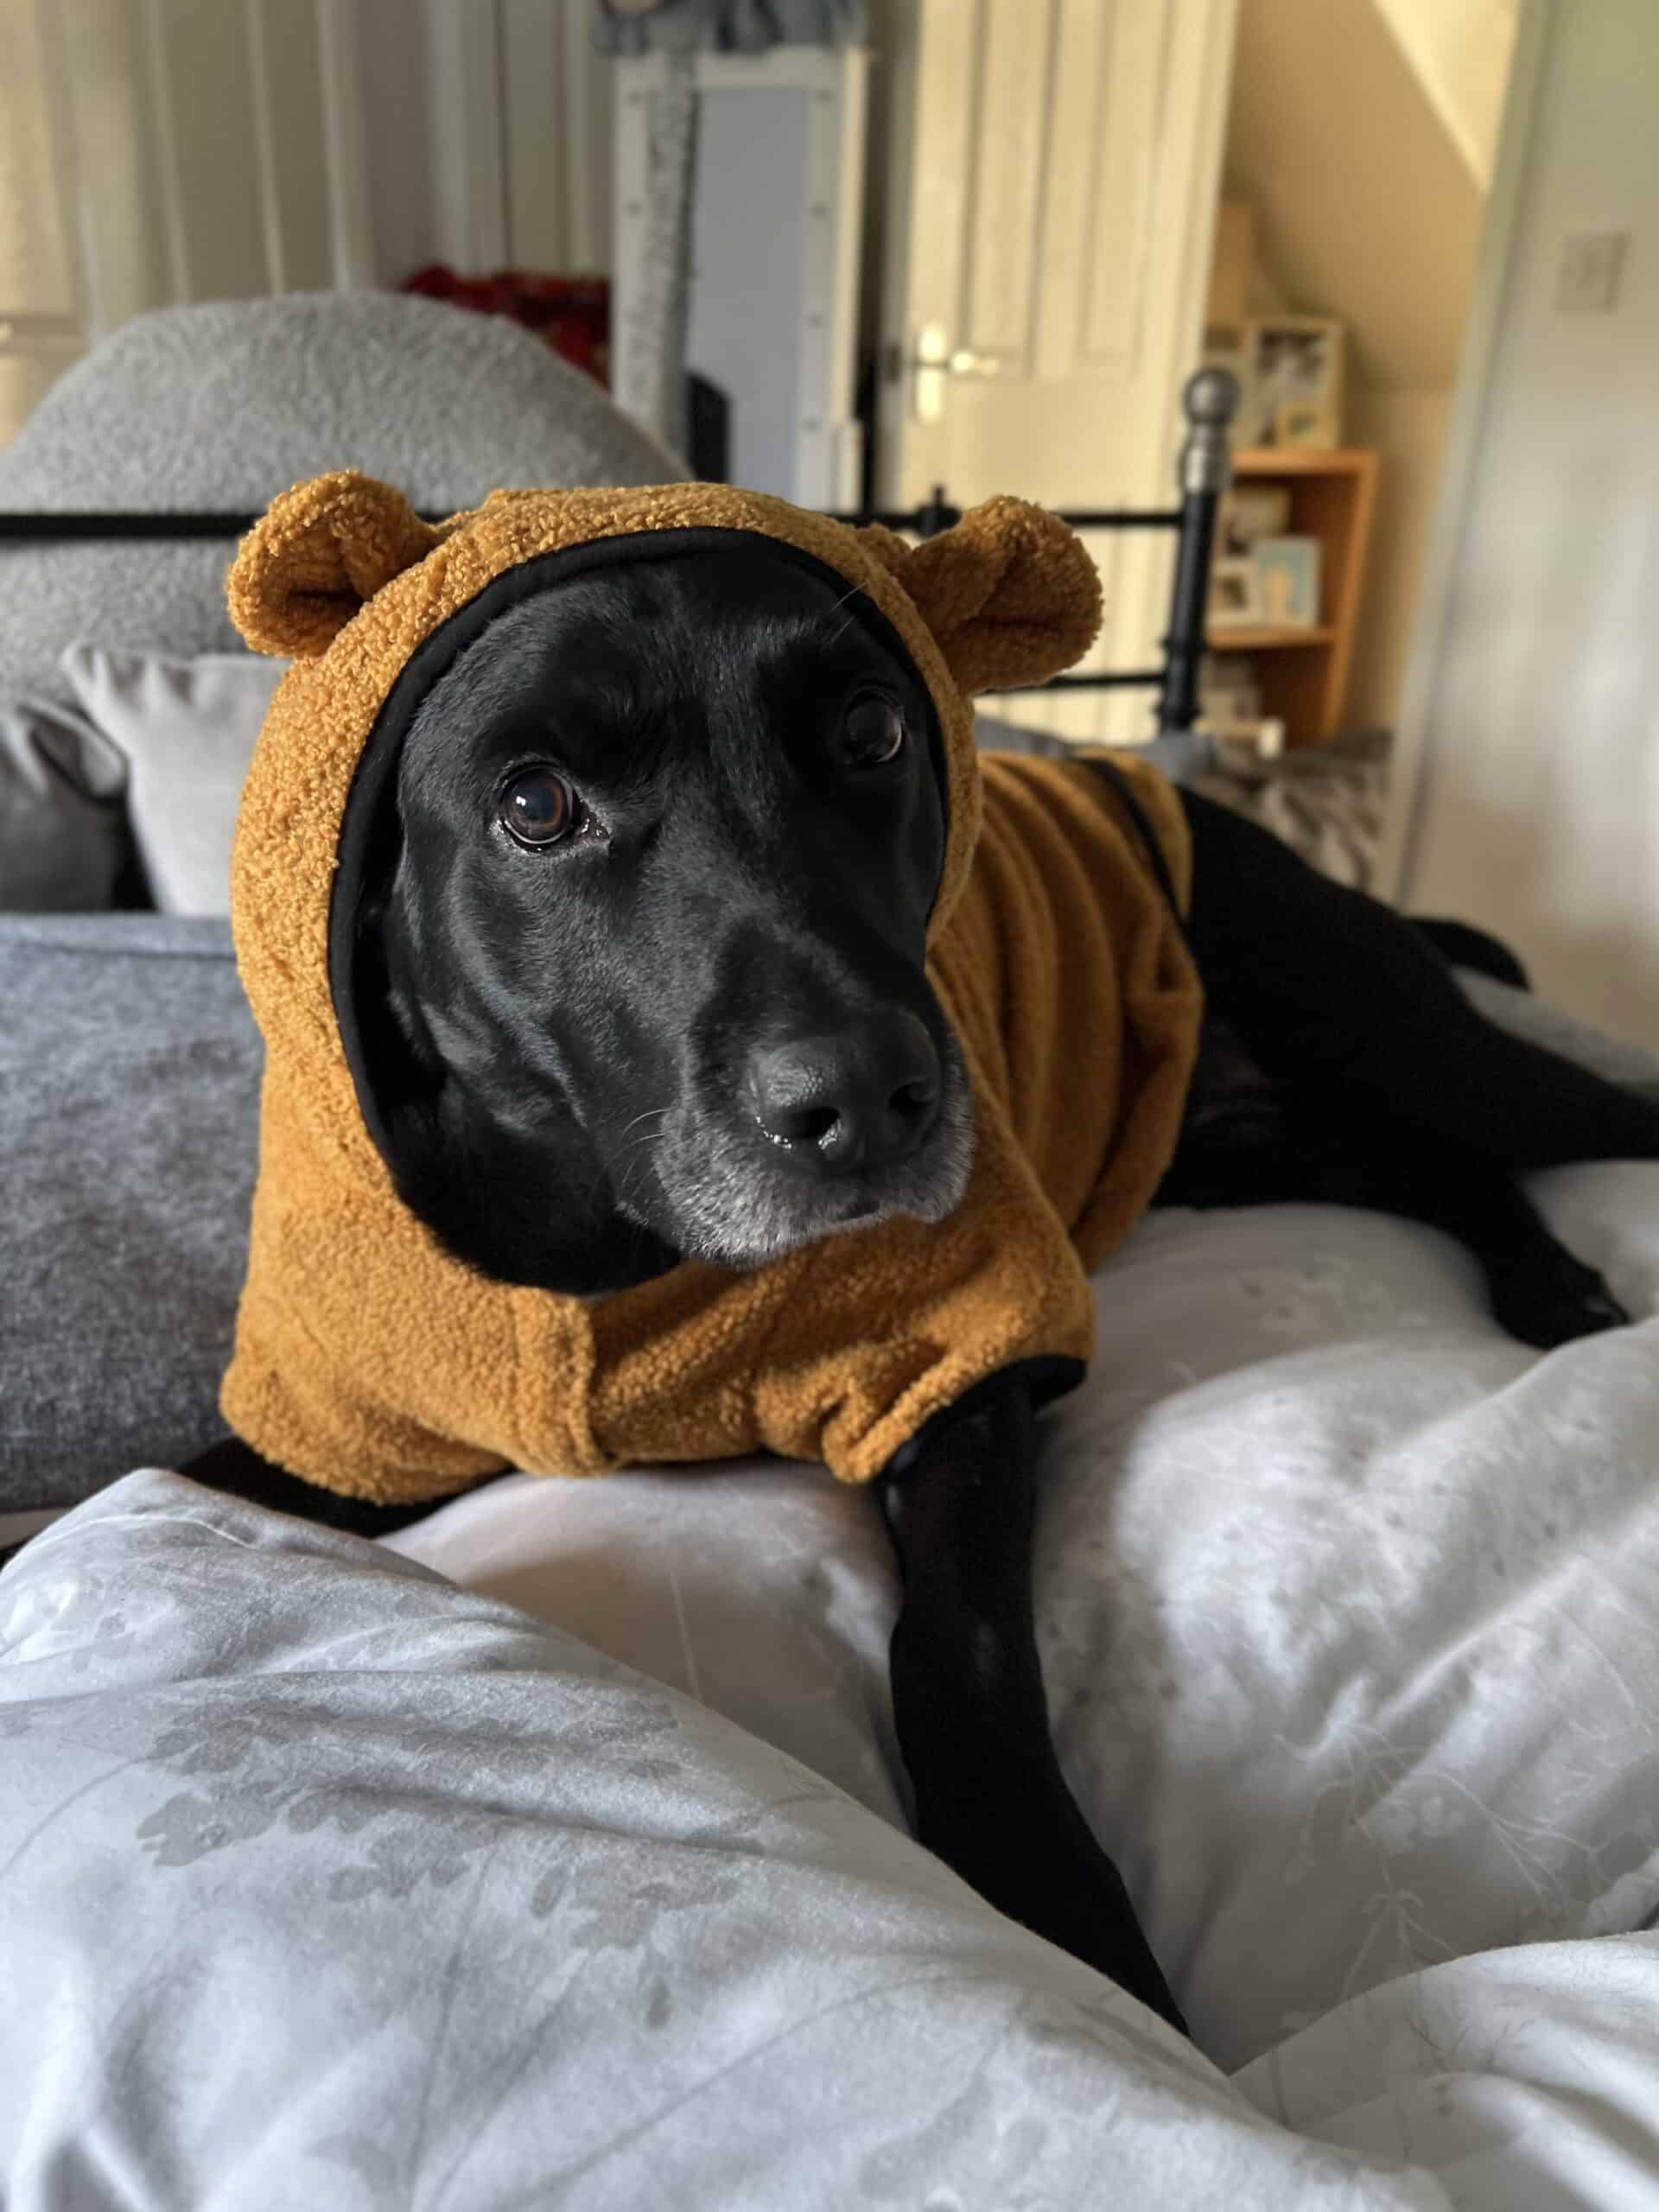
column 1365, row 205
column 1460, row 50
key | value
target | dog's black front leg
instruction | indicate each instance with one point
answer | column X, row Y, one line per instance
column 968, row 1690
column 237, row 1469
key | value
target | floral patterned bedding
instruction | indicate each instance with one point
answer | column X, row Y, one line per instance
column 325, row 1881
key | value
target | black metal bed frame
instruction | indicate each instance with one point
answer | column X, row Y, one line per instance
column 1208, row 401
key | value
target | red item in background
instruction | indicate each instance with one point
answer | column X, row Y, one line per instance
column 573, row 313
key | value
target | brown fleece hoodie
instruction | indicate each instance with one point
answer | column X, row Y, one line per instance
column 369, row 1360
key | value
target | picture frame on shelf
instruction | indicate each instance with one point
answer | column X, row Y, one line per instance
column 1249, row 512
column 1287, row 582
column 1306, row 424
column 1235, row 594
column 1294, row 385
column 1228, row 684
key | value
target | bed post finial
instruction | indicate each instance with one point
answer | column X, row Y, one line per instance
column 1210, row 402
column 1206, row 467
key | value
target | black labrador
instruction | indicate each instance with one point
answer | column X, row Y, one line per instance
column 673, row 829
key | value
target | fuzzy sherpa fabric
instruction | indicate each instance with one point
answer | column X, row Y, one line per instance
column 369, row 1360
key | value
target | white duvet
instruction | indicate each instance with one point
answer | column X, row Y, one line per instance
column 323, row 1880
column 1349, row 1611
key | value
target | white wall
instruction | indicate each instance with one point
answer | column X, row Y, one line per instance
column 1538, row 809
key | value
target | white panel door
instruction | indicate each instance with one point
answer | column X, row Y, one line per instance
column 1052, row 177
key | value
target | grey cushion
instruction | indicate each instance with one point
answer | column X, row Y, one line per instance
column 62, row 838
column 128, row 1088
column 225, row 406
column 187, row 729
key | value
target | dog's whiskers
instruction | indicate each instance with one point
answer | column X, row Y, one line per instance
column 622, row 1188
column 657, row 1112
column 627, row 1142
column 851, row 592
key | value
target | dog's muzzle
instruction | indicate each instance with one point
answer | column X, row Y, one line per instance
column 831, row 1133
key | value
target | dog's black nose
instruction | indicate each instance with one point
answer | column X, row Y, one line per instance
column 860, row 1097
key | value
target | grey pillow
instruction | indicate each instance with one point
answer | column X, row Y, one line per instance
column 188, row 730
column 223, row 405
column 129, row 1116
column 62, row 838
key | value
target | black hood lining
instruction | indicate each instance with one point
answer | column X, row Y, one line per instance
column 374, row 777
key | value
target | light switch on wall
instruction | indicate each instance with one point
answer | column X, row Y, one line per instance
column 1592, row 263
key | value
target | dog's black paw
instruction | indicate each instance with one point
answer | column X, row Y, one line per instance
column 1043, row 1867
column 1555, row 1300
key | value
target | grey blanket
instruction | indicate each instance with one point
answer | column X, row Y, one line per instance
column 129, row 1122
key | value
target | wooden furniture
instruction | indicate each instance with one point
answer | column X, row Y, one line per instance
column 1303, row 673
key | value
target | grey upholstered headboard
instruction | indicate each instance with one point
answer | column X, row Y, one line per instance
column 223, row 406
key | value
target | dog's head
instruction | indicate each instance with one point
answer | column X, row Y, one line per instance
column 638, row 868
column 652, row 926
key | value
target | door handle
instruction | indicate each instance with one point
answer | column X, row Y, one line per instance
column 961, row 363
column 935, row 351
column 934, row 359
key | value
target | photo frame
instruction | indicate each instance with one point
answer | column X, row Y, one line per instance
column 1235, row 594
column 1229, row 687
column 1295, row 390
column 1305, row 423
column 1287, row 582
column 1249, row 512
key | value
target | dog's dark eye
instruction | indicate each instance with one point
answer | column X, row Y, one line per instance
column 872, row 731
column 537, row 807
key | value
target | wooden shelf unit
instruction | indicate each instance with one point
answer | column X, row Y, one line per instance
column 1304, row 677
column 1253, row 637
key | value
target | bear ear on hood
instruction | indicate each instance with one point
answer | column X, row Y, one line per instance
column 317, row 553
column 1009, row 593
